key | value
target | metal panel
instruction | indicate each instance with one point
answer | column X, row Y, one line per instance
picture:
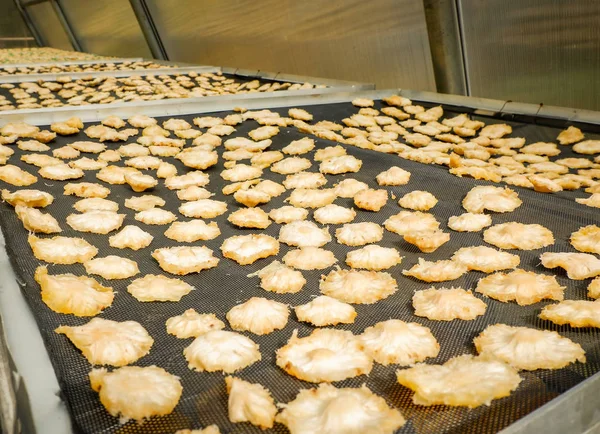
column 13, row 30
column 107, row 27
column 541, row 51
column 48, row 25
column 383, row 42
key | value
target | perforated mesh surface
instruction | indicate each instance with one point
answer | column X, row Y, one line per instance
column 204, row 399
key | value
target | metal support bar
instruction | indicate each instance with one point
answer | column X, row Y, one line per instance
column 149, row 29
column 26, row 4
column 64, row 21
column 443, row 28
column 29, row 23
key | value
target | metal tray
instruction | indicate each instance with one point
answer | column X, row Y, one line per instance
column 572, row 411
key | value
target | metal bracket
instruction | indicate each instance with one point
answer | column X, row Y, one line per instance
column 142, row 13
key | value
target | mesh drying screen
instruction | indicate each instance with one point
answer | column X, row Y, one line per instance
column 204, row 399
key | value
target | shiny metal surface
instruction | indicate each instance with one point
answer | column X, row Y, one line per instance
column 383, row 42
column 13, row 26
column 539, row 51
column 446, row 46
column 148, row 29
column 106, row 27
column 48, row 25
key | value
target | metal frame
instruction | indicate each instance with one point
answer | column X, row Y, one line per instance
column 142, row 13
column 574, row 411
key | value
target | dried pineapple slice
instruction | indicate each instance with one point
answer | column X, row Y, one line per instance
column 447, row 304
column 593, row 289
column 166, row 170
column 469, row 222
column 309, row 258
column 525, row 287
column 323, row 311
column 112, row 267
column 373, row 257
column 250, row 403
column 70, row 294
column 199, row 159
column 263, row 133
column 193, row 193
column 155, row 216
column 203, row 208
column 358, row 286
column 576, row 313
column 427, row 241
column 291, row 165
column 106, row 342
column 251, row 197
column 96, row 204
column 39, row 160
column 348, row 188
column 137, row 393
column 265, row 159
column 334, row 214
column 311, row 198
column 241, row 172
column 465, row 381
column 143, row 203
column 298, row 147
column 339, row 165
column 304, row 234
column 418, row 200
column 570, row 135
column 437, row 271
column 394, row 176
column 330, row 410
column 259, row 316
column 192, row 231
column 279, row 278
column 486, row 197
column 130, row 237
column 30, row 198
column 486, row 259
column 527, row 348
column 145, row 163
column 61, row 250
column 578, row 266
column 220, row 350
column 592, row 201
column 140, row 182
column 154, row 287
column 247, row 249
column 359, row 234
column 185, row 260
column 308, row 180
column 520, row 236
column 370, row 199
column 195, row 178
column 325, row 355
column 191, row 324
column 329, row 152
column 60, row 172
column 96, row 222
column 36, row 221
column 115, row 174
column 400, row 343
column 141, row 121
column 86, row 190
column 288, row 214
column 87, row 164
column 14, row 175
column 211, row 429
column 406, row 222
column 32, row 146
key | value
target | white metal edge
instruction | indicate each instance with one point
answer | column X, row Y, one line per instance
column 29, row 354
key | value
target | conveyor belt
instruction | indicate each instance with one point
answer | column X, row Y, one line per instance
column 204, row 398
column 238, row 79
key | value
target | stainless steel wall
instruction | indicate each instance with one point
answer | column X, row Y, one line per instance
column 106, row 27
column 13, row 31
column 49, row 27
column 533, row 50
column 380, row 41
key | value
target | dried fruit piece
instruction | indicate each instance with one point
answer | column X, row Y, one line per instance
column 406, row 222
column 358, row 286
column 191, row 324
column 250, row 403
column 220, row 350
column 154, row 287
column 61, row 250
column 579, row 266
column 359, row 234
column 445, row 304
column 304, row 234
column 112, row 267
column 185, row 260
column 96, row 222
column 373, row 257
column 520, row 236
column 486, row 259
column 371, row 200
column 36, row 221
column 469, row 222
column 259, row 316
column 496, row 199
column 465, row 381
column 394, row 176
column 309, row 258
column 438, row 271
column 247, row 249
column 279, row 278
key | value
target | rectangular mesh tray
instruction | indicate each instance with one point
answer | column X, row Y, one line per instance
column 204, row 399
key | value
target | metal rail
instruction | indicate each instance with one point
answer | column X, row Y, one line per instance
column 149, row 29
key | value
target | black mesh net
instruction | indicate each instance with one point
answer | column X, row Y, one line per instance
column 204, row 399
